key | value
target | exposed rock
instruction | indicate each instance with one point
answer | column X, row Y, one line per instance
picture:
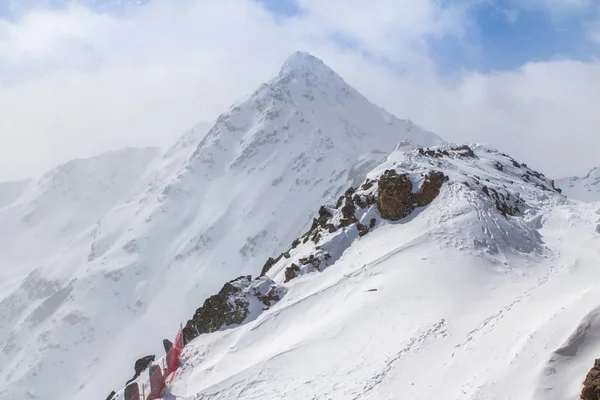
column 270, row 262
column 460, row 151
column 432, row 153
column 290, row 272
column 395, row 196
column 430, row 189
column 324, row 216
column 141, row 365
column 367, row 185
column 111, row 395
column 232, row 305
column 464, row 151
column 168, row 345
column 362, row 230
column 348, row 209
column 372, row 223
column 591, row 384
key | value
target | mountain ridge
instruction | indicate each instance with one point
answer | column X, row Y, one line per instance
column 210, row 208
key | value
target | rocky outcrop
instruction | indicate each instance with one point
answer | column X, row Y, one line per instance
column 430, row 188
column 463, row 151
column 233, row 305
column 506, row 203
column 591, row 384
column 112, row 395
column 167, row 345
column 396, row 199
column 291, row 272
column 140, row 366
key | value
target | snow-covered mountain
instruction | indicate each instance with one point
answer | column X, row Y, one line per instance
column 105, row 257
column 314, row 246
column 454, row 272
column 586, row 188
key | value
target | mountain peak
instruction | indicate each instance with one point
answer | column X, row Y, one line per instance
column 301, row 61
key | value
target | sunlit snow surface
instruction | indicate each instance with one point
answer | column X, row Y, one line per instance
column 425, row 309
column 103, row 258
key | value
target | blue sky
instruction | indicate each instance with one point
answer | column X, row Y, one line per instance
column 501, row 34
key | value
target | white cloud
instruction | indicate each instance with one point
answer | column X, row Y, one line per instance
column 101, row 82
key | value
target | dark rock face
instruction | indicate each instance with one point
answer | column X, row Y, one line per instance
column 111, row 395
column 396, row 199
column 591, row 385
column 290, row 272
column 141, row 365
column 372, row 223
column 430, row 189
column 460, row 151
column 504, row 202
column 231, row 305
column 395, row 196
column 216, row 312
column 464, row 151
column 270, row 262
column 168, row 345
column 362, row 229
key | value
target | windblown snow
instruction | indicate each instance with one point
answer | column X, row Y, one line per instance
column 482, row 288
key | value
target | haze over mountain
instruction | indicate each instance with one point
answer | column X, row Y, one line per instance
column 107, row 256
column 384, row 262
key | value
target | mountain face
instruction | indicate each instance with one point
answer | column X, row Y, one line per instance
column 453, row 269
column 585, row 188
column 107, row 256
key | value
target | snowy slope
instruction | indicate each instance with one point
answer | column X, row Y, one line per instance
column 586, row 188
column 459, row 300
column 103, row 275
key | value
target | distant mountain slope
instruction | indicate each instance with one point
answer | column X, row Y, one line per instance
column 109, row 273
column 585, row 188
column 66, row 201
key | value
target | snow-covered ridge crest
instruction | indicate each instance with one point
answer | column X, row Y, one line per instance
column 465, row 198
column 506, row 194
column 503, row 192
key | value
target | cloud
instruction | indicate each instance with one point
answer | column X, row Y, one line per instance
column 100, row 82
